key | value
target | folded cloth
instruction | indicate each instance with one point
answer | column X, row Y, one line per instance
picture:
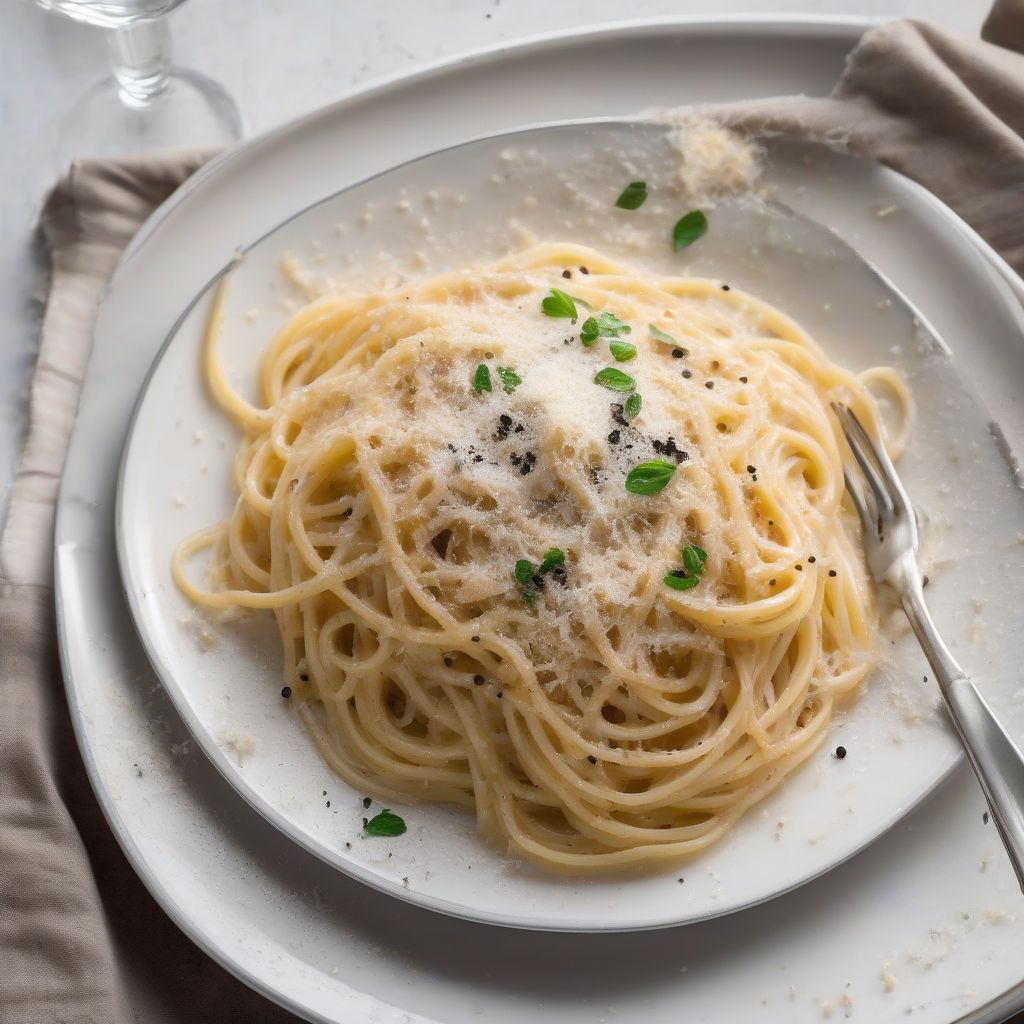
column 945, row 111
column 80, row 938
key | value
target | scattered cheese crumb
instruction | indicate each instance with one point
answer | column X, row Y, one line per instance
column 241, row 746
column 888, row 978
column 999, row 917
column 207, row 640
column 296, row 276
column 714, row 161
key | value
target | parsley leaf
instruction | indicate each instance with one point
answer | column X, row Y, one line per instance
column 552, row 557
column 633, row 404
column 604, row 325
column 680, row 582
column 559, row 304
column 688, row 229
column 622, row 350
column 510, row 380
column 611, row 326
column 589, row 332
column 614, row 380
column 650, row 477
column 634, row 195
column 523, row 571
column 482, row 379
column 694, row 559
column 661, row 335
column 384, row 824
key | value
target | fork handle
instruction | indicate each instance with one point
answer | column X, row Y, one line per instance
column 995, row 758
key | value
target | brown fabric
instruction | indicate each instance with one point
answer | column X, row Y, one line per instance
column 1005, row 25
column 80, row 939
column 944, row 110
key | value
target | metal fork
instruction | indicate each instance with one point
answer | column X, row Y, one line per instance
column 890, row 542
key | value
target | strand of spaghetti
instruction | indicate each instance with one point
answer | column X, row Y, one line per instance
column 246, row 414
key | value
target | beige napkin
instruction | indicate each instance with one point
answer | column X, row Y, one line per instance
column 80, row 938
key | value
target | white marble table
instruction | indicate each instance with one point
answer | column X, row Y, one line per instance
column 278, row 58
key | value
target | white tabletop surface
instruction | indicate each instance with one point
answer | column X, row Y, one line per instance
column 278, row 58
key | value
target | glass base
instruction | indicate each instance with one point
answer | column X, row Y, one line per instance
column 191, row 112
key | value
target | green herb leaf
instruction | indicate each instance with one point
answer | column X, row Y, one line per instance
column 581, row 302
column 611, row 326
column 650, row 477
column 589, row 332
column 552, row 558
column 614, row 380
column 680, row 582
column 634, row 195
column 694, row 559
column 559, row 304
column 661, row 335
column 384, row 824
column 530, row 596
column 633, row 404
column 510, row 380
column 523, row 571
column 604, row 325
column 688, row 229
column 622, row 350
column 482, row 379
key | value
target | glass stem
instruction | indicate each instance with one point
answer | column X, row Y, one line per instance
column 140, row 53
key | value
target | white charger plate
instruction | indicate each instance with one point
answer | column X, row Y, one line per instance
column 461, row 206
column 334, row 951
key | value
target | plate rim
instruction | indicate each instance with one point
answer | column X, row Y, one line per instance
column 836, row 26
column 842, row 27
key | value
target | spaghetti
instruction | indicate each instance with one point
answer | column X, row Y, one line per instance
column 485, row 598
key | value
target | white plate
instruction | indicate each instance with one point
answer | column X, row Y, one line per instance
column 332, row 950
column 461, row 206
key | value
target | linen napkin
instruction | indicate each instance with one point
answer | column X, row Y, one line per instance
column 80, row 938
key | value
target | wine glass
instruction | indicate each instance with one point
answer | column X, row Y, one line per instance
column 147, row 105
